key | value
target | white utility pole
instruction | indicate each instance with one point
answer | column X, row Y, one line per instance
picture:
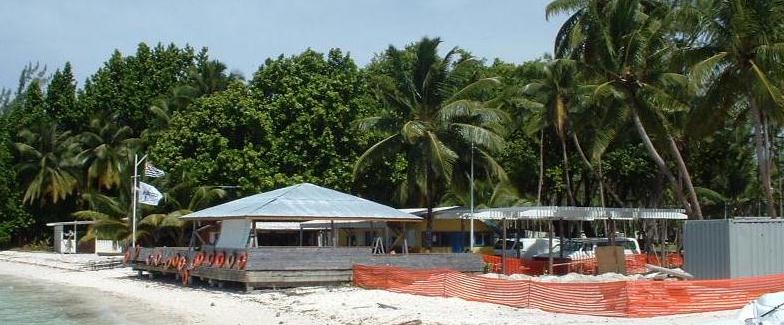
column 472, row 197
column 134, row 188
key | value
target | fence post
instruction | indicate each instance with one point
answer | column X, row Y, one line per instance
column 443, row 284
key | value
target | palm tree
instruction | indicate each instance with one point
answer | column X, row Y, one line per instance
column 626, row 46
column 184, row 199
column 742, row 44
column 46, row 164
column 107, row 152
column 555, row 91
column 430, row 119
column 111, row 215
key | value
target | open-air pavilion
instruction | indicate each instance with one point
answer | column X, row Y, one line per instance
column 240, row 259
column 552, row 214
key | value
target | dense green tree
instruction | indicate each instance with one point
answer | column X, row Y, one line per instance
column 125, row 87
column 224, row 139
column 430, row 118
column 61, row 100
column 312, row 101
column 13, row 216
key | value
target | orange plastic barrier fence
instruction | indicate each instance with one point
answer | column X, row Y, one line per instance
column 634, row 264
column 620, row 299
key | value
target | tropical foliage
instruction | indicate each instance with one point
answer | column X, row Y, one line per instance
column 644, row 103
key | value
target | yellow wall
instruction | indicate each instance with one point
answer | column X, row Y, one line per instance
column 449, row 225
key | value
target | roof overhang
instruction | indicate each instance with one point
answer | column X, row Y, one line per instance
column 70, row 223
column 577, row 213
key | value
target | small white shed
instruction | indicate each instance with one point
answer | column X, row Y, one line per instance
column 66, row 239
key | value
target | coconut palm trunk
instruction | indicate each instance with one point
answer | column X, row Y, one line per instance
column 567, row 178
column 657, row 159
column 763, row 158
column 597, row 173
column 686, row 177
column 541, row 168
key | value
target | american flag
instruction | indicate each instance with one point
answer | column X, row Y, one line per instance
column 151, row 171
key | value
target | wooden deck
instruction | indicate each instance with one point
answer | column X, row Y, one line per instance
column 297, row 266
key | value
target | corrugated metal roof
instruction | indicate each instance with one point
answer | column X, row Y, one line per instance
column 302, row 202
column 578, row 213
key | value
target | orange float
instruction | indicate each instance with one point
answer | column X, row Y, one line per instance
column 242, row 260
column 220, row 259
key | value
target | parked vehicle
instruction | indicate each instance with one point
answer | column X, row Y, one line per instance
column 581, row 248
column 526, row 247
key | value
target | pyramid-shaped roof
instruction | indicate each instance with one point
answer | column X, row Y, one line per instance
column 302, row 202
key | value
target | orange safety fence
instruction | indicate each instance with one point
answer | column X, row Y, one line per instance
column 634, row 264
column 641, row 298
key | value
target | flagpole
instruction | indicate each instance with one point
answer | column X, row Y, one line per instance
column 133, row 199
column 136, row 162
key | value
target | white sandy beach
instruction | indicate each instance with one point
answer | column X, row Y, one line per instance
column 322, row 305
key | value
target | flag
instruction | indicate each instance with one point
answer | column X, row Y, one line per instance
column 148, row 194
column 151, row 171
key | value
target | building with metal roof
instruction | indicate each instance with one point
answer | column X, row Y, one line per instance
column 302, row 202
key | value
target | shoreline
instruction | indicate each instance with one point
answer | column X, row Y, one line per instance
column 191, row 305
column 309, row 305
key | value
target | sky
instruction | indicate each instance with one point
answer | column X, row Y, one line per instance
column 243, row 34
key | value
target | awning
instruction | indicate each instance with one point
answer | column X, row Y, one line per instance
column 302, row 202
column 578, row 213
column 70, row 223
column 317, row 225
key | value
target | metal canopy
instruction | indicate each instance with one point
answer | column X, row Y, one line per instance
column 577, row 213
column 302, row 202
column 70, row 223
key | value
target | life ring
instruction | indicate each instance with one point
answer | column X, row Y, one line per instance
column 209, row 259
column 127, row 257
column 230, row 261
column 242, row 260
column 185, row 276
column 220, row 258
column 198, row 259
column 181, row 263
column 172, row 262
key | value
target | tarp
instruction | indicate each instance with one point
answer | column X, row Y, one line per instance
column 234, row 234
column 302, row 202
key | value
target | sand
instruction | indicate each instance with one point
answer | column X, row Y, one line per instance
column 309, row 305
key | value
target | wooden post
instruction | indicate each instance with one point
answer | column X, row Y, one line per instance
column 372, row 233
column 254, row 243
column 517, row 236
column 405, row 240
column 333, row 234
column 663, row 261
column 550, row 250
column 503, row 246
column 301, row 235
column 561, row 237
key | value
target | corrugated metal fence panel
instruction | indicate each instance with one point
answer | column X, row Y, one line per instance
column 706, row 249
column 757, row 247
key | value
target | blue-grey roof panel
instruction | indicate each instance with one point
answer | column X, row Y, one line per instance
column 302, row 202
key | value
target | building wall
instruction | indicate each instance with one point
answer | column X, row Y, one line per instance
column 732, row 248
